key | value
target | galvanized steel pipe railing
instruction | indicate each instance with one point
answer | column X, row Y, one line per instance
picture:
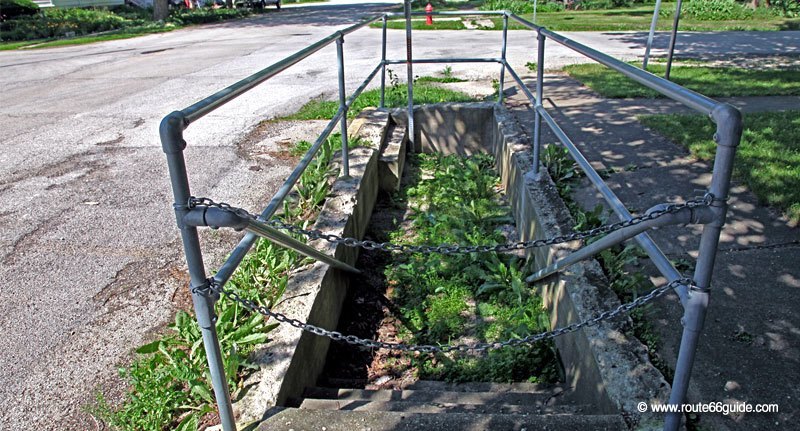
column 695, row 302
column 674, row 91
column 173, row 144
column 728, row 135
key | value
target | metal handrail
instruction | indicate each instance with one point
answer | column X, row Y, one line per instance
column 727, row 136
column 214, row 101
column 670, row 89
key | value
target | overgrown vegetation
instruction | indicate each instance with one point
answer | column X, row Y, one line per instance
column 628, row 15
column 621, row 264
column 465, row 298
column 55, row 23
column 710, row 81
column 768, row 159
column 169, row 384
column 425, row 91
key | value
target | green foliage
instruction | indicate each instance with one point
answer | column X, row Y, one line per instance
column 522, row 6
column 710, row 81
column 534, row 364
column 10, row 9
column 170, row 385
column 443, row 296
column 206, row 15
column 516, row 6
column 396, row 96
column 716, row 10
column 787, row 8
column 561, row 167
column 57, row 22
column 69, row 22
column 604, row 4
column 768, row 159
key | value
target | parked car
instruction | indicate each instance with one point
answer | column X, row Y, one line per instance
column 257, row 4
column 173, row 4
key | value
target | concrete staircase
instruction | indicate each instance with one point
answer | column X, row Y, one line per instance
column 426, row 405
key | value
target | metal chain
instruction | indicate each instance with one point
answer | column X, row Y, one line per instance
column 460, row 249
column 216, row 288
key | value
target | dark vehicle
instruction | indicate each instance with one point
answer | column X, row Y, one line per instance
column 257, row 4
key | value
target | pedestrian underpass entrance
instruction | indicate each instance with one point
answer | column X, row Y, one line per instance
column 516, row 161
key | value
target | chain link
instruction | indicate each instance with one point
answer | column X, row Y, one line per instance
column 451, row 248
column 214, row 287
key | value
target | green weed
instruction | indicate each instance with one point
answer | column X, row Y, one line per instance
column 444, row 297
column 169, row 383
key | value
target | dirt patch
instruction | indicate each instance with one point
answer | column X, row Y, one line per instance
column 369, row 313
column 272, row 140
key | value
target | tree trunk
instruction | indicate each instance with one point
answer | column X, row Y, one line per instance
column 160, row 10
column 229, row 4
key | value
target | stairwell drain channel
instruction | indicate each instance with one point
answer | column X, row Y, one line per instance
column 600, row 378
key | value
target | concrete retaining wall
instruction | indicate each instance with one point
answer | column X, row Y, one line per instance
column 293, row 360
column 606, row 368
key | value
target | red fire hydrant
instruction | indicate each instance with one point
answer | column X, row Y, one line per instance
column 428, row 17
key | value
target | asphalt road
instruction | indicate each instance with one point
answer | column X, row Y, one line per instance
column 89, row 253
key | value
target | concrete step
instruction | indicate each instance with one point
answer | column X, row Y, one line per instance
column 338, row 420
column 487, row 398
column 430, row 385
column 332, row 382
column 437, row 407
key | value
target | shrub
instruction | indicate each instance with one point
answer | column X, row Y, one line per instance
column 716, row 10
column 515, row 6
column 13, row 8
column 205, row 15
column 61, row 22
column 603, row 4
column 522, row 6
column 787, row 8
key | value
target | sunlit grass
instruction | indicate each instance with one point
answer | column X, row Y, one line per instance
column 710, row 81
column 768, row 159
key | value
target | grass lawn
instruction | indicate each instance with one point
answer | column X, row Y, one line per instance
column 710, row 81
column 425, row 91
column 628, row 19
column 82, row 40
column 768, row 159
column 127, row 23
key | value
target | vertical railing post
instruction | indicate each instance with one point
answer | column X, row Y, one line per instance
column 383, row 64
column 537, row 117
column 650, row 35
column 410, row 76
column 673, row 38
column 343, row 106
column 727, row 137
column 171, row 131
column 503, row 58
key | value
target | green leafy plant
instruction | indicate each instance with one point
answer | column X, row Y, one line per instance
column 716, row 10
column 484, row 296
column 169, row 383
column 10, row 9
column 504, row 278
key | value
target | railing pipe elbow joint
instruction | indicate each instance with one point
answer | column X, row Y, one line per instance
column 729, row 125
column 171, row 132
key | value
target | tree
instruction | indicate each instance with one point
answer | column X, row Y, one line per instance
column 160, row 10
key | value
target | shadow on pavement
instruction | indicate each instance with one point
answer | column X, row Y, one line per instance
column 318, row 16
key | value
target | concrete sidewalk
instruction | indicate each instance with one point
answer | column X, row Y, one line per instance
column 750, row 348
